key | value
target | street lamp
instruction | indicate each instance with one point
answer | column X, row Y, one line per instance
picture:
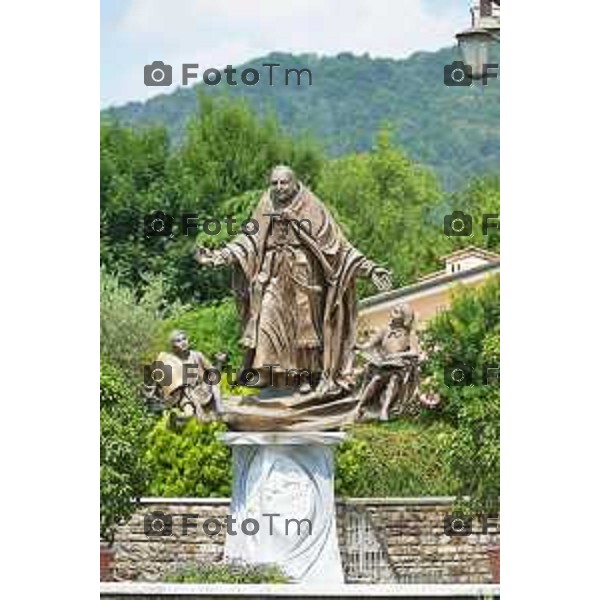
column 476, row 42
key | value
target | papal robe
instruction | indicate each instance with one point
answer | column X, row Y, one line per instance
column 295, row 283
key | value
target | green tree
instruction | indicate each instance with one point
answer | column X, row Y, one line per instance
column 211, row 328
column 479, row 198
column 129, row 323
column 385, row 202
column 133, row 171
column 465, row 341
column 124, row 472
column 227, row 151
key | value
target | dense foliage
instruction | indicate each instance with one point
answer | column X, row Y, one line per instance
column 464, row 361
column 387, row 203
column 453, row 129
column 396, row 459
column 227, row 573
column 227, row 151
column 188, row 461
column 124, row 471
column 212, row 327
column 391, row 208
column 129, row 322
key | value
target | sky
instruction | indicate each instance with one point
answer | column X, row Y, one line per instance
column 215, row 33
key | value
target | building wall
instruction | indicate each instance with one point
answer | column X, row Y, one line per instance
column 426, row 304
column 425, row 308
column 465, row 263
column 381, row 541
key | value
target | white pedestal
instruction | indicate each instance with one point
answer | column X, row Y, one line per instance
column 284, row 481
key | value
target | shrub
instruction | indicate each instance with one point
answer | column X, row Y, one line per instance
column 211, row 328
column 395, row 459
column 188, row 461
column 123, row 470
column 128, row 324
column 227, row 573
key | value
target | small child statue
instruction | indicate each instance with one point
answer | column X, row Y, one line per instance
column 391, row 374
column 177, row 379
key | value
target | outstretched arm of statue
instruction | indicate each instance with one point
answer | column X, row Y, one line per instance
column 213, row 257
column 380, row 276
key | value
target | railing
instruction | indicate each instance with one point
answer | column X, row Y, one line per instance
column 365, row 555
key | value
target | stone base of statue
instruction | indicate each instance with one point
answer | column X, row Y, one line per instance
column 283, row 503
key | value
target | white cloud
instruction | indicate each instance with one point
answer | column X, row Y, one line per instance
column 383, row 27
column 216, row 34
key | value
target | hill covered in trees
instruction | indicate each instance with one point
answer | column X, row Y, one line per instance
column 391, row 207
column 455, row 130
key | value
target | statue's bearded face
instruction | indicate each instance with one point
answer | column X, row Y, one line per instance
column 283, row 185
column 180, row 343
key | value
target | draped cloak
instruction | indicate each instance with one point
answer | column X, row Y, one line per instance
column 295, row 285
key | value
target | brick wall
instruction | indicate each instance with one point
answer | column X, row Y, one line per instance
column 381, row 541
column 411, row 532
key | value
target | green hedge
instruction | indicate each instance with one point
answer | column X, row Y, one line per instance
column 188, row 461
column 210, row 328
column 395, row 459
column 227, row 573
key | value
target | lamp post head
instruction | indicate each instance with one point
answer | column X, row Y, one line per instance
column 476, row 42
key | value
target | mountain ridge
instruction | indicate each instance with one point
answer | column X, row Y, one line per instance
column 454, row 130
